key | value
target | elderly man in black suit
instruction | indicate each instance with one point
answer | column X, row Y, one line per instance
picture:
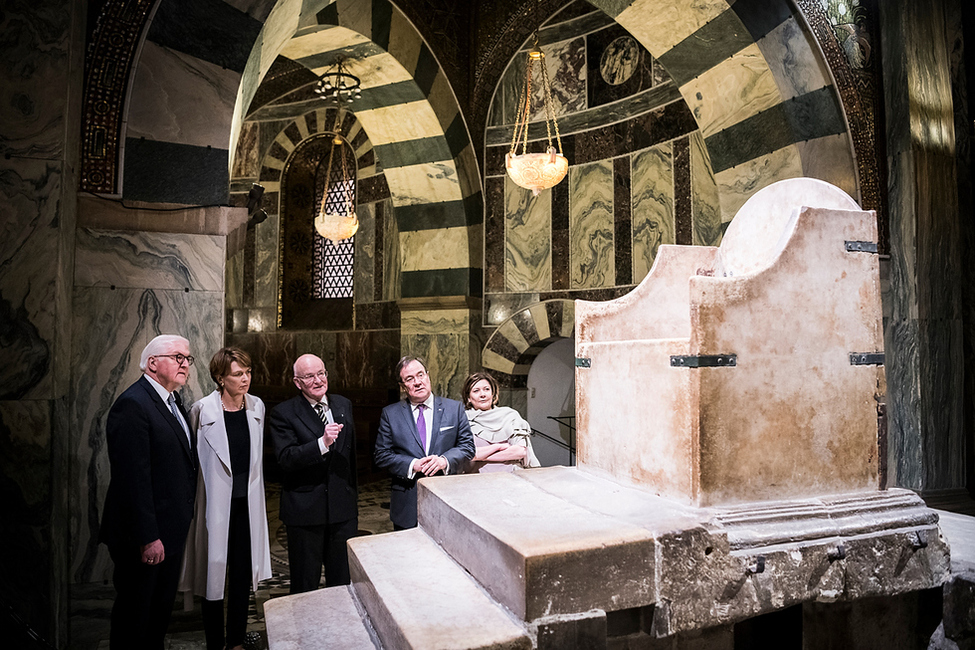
column 149, row 503
column 314, row 441
column 423, row 435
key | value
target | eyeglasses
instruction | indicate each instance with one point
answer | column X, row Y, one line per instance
column 412, row 379
column 321, row 374
column 180, row 358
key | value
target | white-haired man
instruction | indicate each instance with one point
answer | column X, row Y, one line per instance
column 149, row 503
column 314, row 441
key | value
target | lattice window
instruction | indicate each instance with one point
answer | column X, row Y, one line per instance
column 332, row 262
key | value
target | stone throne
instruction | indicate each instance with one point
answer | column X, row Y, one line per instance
column 728, row 468
column 747, row 372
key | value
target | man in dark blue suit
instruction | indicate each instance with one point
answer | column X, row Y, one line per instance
column 423, row 435
column 149, row 503
column 314, row 441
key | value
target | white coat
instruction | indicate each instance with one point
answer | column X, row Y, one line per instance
column 205, row 559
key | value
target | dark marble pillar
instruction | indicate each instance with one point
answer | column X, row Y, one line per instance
column 925, row 369
column 40, row 89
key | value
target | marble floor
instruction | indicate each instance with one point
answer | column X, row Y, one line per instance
column 90, row 604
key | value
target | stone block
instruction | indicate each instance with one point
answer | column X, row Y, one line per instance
column 418, row 598
column 536, row 551
column 326, row 618
column 586, row 630
column 959, row 609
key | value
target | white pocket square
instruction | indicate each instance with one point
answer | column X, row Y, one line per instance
column 445, row 428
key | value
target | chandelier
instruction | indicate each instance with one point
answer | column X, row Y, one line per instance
column 336, row 219
column 535, row 171
column 338, row 85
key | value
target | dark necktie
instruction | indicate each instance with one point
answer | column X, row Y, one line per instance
column 321, row 412
column 421, row 426
column 172, row 407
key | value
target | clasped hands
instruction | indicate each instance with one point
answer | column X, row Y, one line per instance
column 332, row 432
column 430, row 465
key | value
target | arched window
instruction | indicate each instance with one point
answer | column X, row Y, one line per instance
column 316, row 275
column 335, row 192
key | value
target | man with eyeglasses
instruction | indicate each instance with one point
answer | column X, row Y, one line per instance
column 149, row 505
column 314, row 441
column 423, row 435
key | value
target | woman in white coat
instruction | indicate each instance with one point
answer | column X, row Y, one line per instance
column 228, row 540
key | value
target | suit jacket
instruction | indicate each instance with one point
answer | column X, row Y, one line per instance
column 153, row 473
column 398, row 443
column 205, row 561
column 316, row 489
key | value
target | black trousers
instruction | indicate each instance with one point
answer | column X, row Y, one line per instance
column 238, row 588
column 311, row 547
column 144, row 596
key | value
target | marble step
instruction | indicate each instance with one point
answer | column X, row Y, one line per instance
column 326, row 618
column 549, row 541
column 418, row 598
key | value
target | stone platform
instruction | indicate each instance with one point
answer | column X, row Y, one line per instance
column 519, row 560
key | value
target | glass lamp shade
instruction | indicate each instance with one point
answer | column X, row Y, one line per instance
column 536, row 171
column 336, row 227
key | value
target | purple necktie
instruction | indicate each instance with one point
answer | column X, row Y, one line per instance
column 421, row 426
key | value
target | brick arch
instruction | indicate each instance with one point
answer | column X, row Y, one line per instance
column 511, row 349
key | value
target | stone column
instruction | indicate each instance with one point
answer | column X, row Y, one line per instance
column 923, row 341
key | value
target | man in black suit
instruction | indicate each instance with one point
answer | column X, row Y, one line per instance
column 423, row 435
column 149, row 503
column 314, row 441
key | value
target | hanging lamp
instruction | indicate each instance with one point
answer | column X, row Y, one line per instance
column 340, row 222
column 535, row 171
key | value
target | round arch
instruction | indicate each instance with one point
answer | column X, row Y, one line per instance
column 509, row 351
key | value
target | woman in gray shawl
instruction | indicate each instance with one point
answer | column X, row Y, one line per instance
column 502, row 437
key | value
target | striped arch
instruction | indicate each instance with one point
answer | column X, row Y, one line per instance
column 512, row 348
column 315, row 122
column 201, row 64
column 420, row 139
column 761, row 94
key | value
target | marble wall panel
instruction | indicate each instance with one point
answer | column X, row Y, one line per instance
column 246, row 163
column 392, row 273
column 731, row 91
column 446, row 356
column 367, row 359
column 591, row 252
column 705, row 207
column 442, row 248
column 792, row 56
column 105, row 258
column 322, row 344
column 364, row 261
column 425, row 183
column 662, row 24
column 409, row 121
column 653, row 206
column 494, row 219
column 528, row 239
column 30, row 257
column 737, row 184
column 510, row 90
column 565, row 64
column 33, row 80
column 266, row 262
column 830, row 158
column 122, row 322
column 179, row 98
column 234, row 281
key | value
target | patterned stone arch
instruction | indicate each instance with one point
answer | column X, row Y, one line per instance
column 759, row 89
column 316, row 123
column 510, row 350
